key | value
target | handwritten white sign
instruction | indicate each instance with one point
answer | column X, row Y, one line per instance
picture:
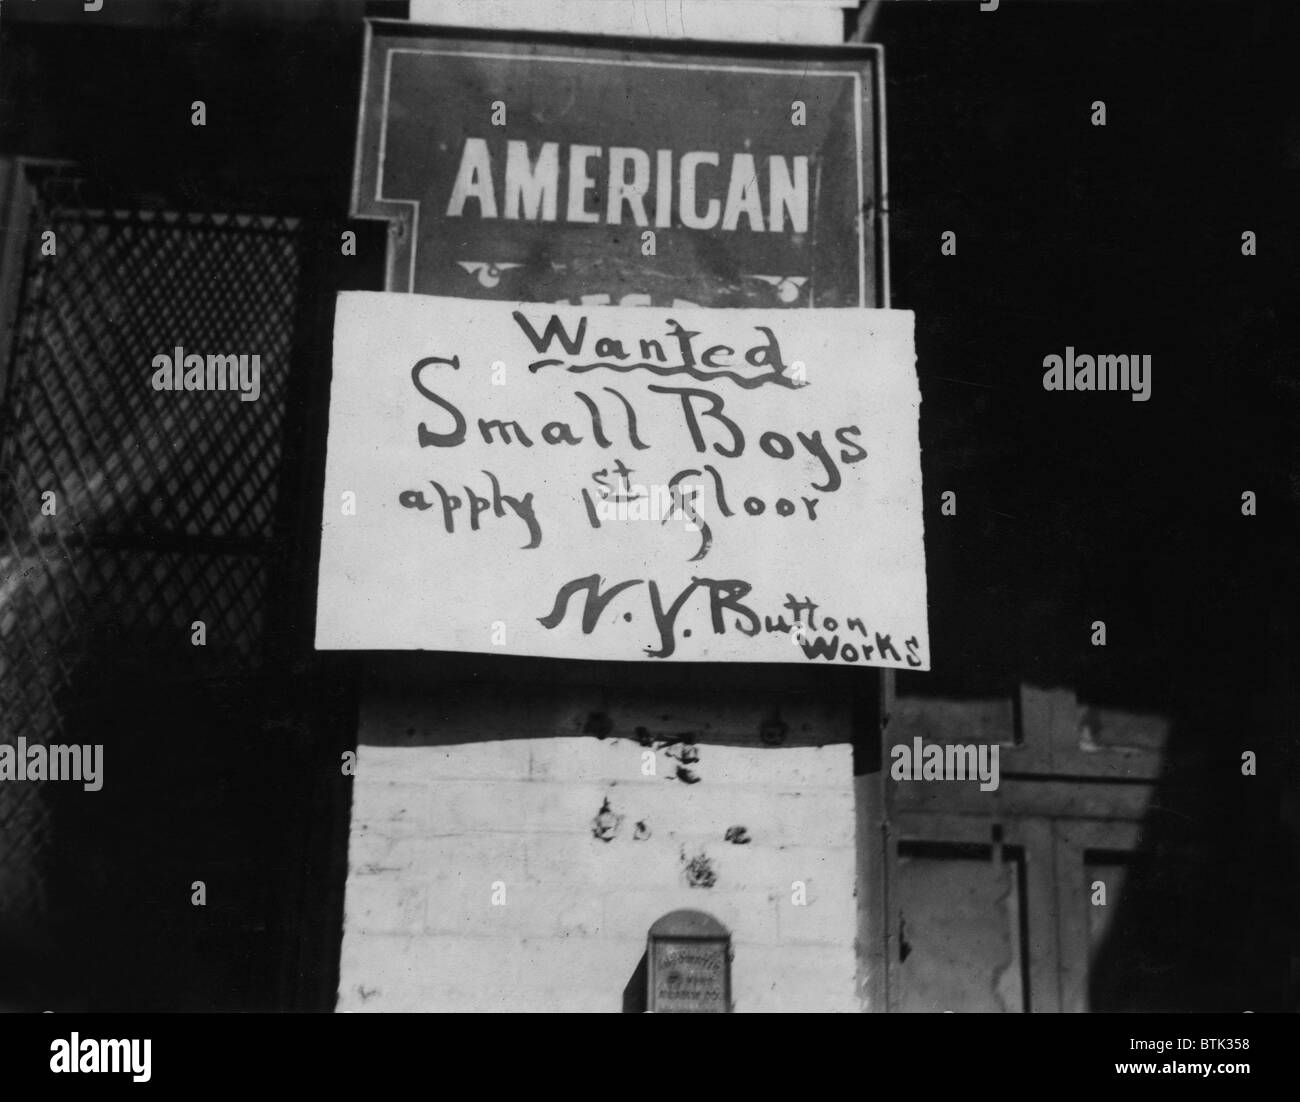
column 623, row 483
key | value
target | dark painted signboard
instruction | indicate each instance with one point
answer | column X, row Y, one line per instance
column 600, row 170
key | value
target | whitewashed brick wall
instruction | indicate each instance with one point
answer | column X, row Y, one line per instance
column 441, row 814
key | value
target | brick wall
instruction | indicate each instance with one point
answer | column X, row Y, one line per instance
column 455, row 803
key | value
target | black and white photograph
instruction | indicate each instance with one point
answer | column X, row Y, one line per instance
column 550, row 507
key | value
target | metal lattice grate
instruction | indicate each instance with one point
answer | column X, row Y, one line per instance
column 165, row 500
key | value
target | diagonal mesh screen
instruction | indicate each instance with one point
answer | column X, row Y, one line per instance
column 164, row 502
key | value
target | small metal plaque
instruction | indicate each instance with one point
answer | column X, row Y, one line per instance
column 690, row 965
column 690, row 977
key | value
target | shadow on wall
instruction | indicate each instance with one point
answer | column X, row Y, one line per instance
column 1081, row 507
column 194, row 879
column 1207, row 917
column 194, row 791
column 636, row 993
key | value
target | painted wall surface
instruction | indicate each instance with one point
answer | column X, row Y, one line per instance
column 582, row 849
column 735, row 20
